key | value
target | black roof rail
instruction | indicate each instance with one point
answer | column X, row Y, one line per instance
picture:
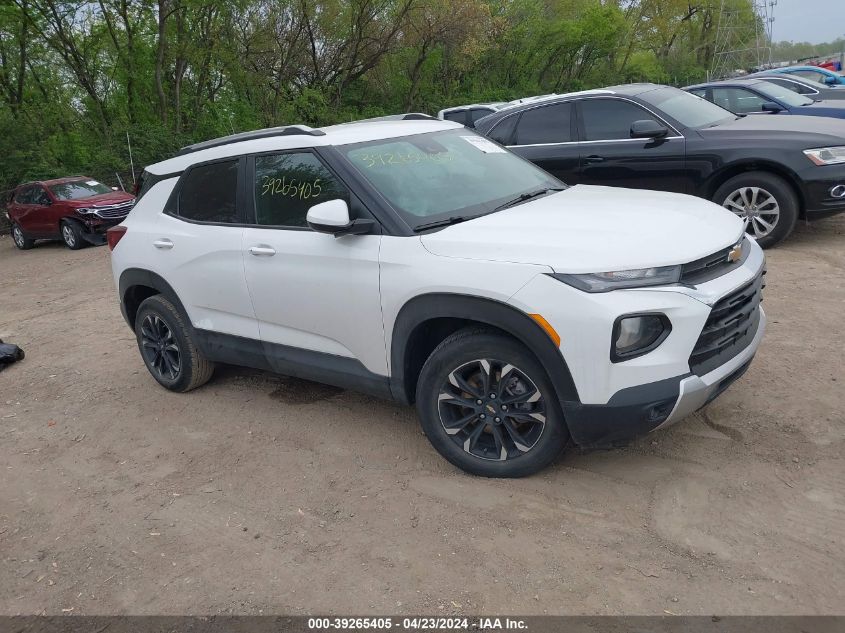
column 287, row 130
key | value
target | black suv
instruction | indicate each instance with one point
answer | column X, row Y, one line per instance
column 768, row 170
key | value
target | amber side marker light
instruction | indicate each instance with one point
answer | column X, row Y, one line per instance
column 547, row 328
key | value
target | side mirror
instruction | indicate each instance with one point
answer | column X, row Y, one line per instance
column 771, row 106
column 114, row 188
column 830, row 80
column 648, row 128
column 332, row 217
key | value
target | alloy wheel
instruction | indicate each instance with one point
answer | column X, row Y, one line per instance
column 17, row 235
column 68, row 235
column 757, row 208
column 160, row 348
column 492, row 409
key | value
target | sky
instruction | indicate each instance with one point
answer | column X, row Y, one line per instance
column 813, row 21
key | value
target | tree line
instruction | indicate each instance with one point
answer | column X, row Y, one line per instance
column 80, row 79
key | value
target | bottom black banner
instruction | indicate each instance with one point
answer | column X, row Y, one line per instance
column 535, row 624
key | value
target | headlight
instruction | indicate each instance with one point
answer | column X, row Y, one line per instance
column 636, row 278
column 826, row 155
column 637, row 334
column 86, row 211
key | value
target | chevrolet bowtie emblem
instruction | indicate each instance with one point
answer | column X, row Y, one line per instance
column 735, row 253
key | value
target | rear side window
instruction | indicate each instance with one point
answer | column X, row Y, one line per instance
column 502, row 132
column 288, row 184
column 459, row 116
column 39, row 196
column 793, row 86
column 478, row 113
column 610, row 119
column 549, row 124
column 209, row 193
column 24, row 195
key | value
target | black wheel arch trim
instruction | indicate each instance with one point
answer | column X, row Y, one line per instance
column 132, row 277
column 425, row 308
column 741, row 166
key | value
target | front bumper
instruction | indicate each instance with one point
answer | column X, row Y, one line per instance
column 642, row 409
column 617, row 401
column 95, row 228
column 818, row 183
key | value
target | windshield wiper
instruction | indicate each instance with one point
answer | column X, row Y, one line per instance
column 437, row 223
column 528, row 195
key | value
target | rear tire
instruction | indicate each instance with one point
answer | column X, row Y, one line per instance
column 766, row 203
column 487, row 405
column 72, row 235
column 22, row 242
column 167, row 347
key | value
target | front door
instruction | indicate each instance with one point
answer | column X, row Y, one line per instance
column 609, row 156
column 316, row 296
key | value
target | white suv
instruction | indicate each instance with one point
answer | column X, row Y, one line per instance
column 418, row 261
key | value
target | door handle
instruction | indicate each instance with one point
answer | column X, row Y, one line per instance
column 262, row 251
column 163, row 244
column 594, row 159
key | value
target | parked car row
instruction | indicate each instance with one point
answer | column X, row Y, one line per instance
column 769, row 171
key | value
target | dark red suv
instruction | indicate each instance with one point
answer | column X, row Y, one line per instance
column 76, row 210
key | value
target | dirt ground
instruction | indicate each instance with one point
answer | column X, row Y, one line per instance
column 262, row 494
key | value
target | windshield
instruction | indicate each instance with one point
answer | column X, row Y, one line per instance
column 447, row 174
column 773, row 91
column 686, row 108
column 79, row 189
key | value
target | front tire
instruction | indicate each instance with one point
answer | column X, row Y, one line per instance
column 72, row 235
column 766, row 203
column 22, row 242
column 167, row 348
column 488, row 407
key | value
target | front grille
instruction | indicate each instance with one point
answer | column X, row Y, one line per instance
column 114, row 211
column 730, row 328
column 712, row 266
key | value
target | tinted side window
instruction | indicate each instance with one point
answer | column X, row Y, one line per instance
column 39, row 196
column 479, row 113
column 502, row 132
column 738, row 100
column 789, row 85
column 609, row 119
column 287, row 185
column 549, row 124
column 459, row 116
column 24, row 196
column 209, row 193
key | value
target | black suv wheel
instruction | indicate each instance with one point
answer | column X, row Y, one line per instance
column 765, row 202
column 167, row 348
column 487, row 406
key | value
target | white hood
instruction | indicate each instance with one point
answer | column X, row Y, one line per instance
column 594, row 229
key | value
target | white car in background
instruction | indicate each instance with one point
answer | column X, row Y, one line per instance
column 418, row 261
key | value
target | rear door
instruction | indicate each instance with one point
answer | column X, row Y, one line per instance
column 609, row 156
column 545, row 135
column 25, row 211
column 197, row 245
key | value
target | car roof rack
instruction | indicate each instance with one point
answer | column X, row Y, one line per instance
column 287, row 130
